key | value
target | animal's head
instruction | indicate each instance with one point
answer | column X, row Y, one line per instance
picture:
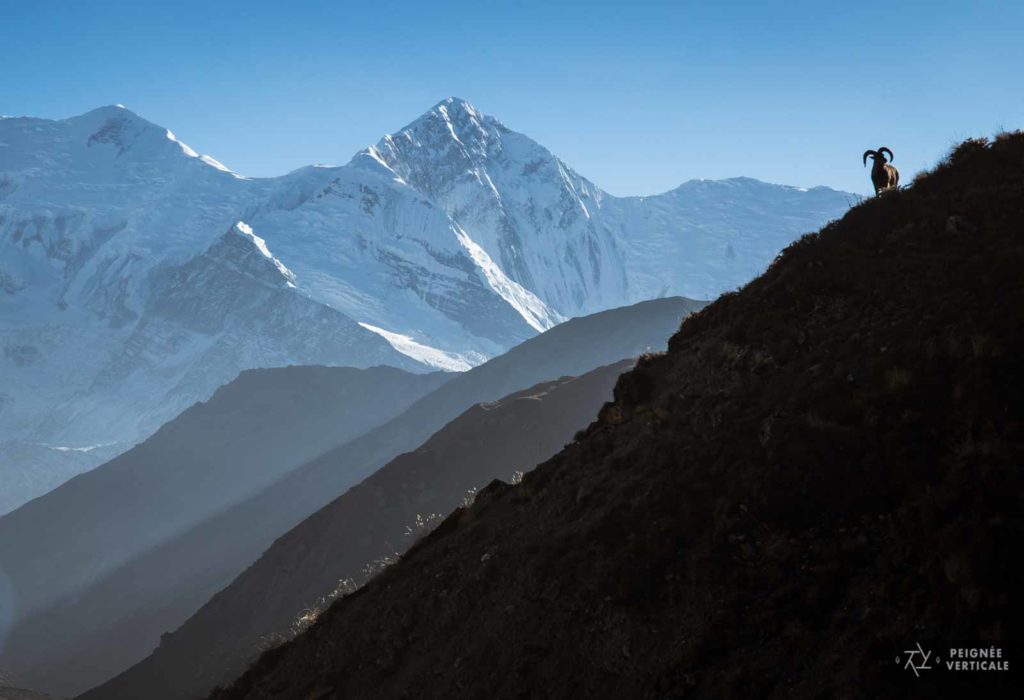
column 880, row 153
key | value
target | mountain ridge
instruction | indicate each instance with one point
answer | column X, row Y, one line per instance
column 821, row 470
column 371, row 523
column 452, row 240
column 201, row 462
column 119, row 617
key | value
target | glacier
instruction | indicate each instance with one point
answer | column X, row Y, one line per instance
column 137, row 276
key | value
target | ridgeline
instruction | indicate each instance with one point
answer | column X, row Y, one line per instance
column 823, row 470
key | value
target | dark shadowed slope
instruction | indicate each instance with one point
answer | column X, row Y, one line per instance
column 823, row 470
column 572, row 348
column 373, row 521
column 250, row 433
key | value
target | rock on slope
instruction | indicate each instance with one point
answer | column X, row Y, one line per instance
column 823, row 470
column 372, row 522
column 248, row 435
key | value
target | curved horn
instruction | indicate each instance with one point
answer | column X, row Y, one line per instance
column 885, row 149
column 869, row 153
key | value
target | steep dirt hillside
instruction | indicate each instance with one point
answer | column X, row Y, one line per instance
column 338, row 547
column 823, row 471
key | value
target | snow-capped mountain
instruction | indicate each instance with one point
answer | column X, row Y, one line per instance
column 137, row 276
column 578, row 248
column 526, row 209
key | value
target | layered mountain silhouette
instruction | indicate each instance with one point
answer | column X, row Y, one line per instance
column 247, row 436
column 822, row 470
column 216, row 454
column 339, row 546
column 99, row 627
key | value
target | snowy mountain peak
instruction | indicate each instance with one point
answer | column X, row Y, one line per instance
column 456, row 110
column 456, row 139
column 455, row 103
column 112, row 124
column 523, row 207
column 107, row 112
column 451, row 129
column 118, row 128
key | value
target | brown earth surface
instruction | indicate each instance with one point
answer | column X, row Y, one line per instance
column 823, row 470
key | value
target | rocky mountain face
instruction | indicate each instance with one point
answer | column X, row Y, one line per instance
column 124, row 301
column 84, row 620
column 526, row 209
column 338, row 547
column 822, row 470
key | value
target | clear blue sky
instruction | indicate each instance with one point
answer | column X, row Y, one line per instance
column 637, row 96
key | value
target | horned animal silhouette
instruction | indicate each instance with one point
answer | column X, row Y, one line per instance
column 884, row 176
